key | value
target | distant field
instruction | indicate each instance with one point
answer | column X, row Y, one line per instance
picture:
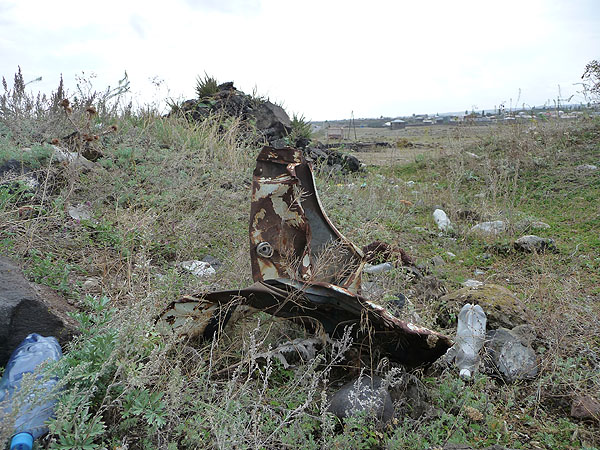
column 411, row 142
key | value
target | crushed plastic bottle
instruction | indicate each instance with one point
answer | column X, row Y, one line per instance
column 441, row 219
column 30, row 423
column 469, row 338
column 379, row 268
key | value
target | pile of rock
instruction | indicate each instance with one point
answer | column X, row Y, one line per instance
column 270, row 119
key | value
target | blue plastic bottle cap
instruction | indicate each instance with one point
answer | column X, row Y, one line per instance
column 21, row 441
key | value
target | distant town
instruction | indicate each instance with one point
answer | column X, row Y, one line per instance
column 482, row 117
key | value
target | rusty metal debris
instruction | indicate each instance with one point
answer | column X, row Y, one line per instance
column 304, row 270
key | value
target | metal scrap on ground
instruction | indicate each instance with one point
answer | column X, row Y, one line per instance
column 304, row 270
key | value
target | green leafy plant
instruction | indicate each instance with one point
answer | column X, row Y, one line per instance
column 206, row 86
column 301, row 129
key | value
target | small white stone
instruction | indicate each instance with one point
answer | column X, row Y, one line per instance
column 490, row 228
column 80, row 212
column 472, row 283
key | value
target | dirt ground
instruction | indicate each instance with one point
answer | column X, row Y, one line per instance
column 408, row 144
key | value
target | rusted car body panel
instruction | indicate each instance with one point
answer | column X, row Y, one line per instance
column 304, row 270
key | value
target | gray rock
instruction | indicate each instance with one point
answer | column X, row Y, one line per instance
column 24, row 311
column 438, row 261
column 214, row 262
column 472, row 283
column 585, row 407
column 532, row 243
column 490, row 228
column 272, row 120
column 586, row 167
column 537, row 225
column 502, row 307
column 363, row 394
column 72, row 158
column 80, row 212
column 525, row 333
column 509, row 357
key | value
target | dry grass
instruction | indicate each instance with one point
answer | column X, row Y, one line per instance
column 167, row 191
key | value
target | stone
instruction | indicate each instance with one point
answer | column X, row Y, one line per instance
column 490, row 228
column 72, row 158
column 537, row 225
column 80, row 212
column 585, row 407
column 525, row 333
column 438, row 261
column 472, row 283
column 478, row 272
column 198, row 268
column 334, row 159
column 468, row 447
column 214, row 262
column 363, row 395
column 442, row 220
column 26, row 308
column 586, row 167
column 272, row 120
column 509, row 356
column 534, row 244
column 451, row 255
column 502, row 307
column 91, row 284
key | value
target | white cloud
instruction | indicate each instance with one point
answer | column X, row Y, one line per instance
column 323, row 59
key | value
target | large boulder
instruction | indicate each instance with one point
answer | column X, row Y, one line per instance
column 26, row 308
column 272, row 120
column 502, row 307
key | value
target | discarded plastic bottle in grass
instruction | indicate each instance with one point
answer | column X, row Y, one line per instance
column 469, row 338
column 379, row 268
column 29, row 424
column 441, row 219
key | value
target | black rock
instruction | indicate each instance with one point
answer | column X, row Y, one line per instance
column 23, row 311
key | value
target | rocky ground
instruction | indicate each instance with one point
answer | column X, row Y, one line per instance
column 93, row 250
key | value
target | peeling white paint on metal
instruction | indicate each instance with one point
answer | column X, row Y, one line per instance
column 267, row 270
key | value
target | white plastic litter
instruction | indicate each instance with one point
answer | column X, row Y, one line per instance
column 441, row 219
column 379, row 268
column 470, row 336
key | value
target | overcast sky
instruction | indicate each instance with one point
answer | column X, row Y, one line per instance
column 323, row 59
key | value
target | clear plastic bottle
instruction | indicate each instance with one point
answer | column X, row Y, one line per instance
column 30, row 353
column 469, row 338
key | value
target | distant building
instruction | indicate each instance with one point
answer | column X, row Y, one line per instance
column 398, row 124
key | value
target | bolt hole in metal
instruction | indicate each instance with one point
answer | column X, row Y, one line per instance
column 264, row 249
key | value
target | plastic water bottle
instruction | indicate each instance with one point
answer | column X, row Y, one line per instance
column 469, row 338
column 30, row 353
column 379, row 268
column 441, row 219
